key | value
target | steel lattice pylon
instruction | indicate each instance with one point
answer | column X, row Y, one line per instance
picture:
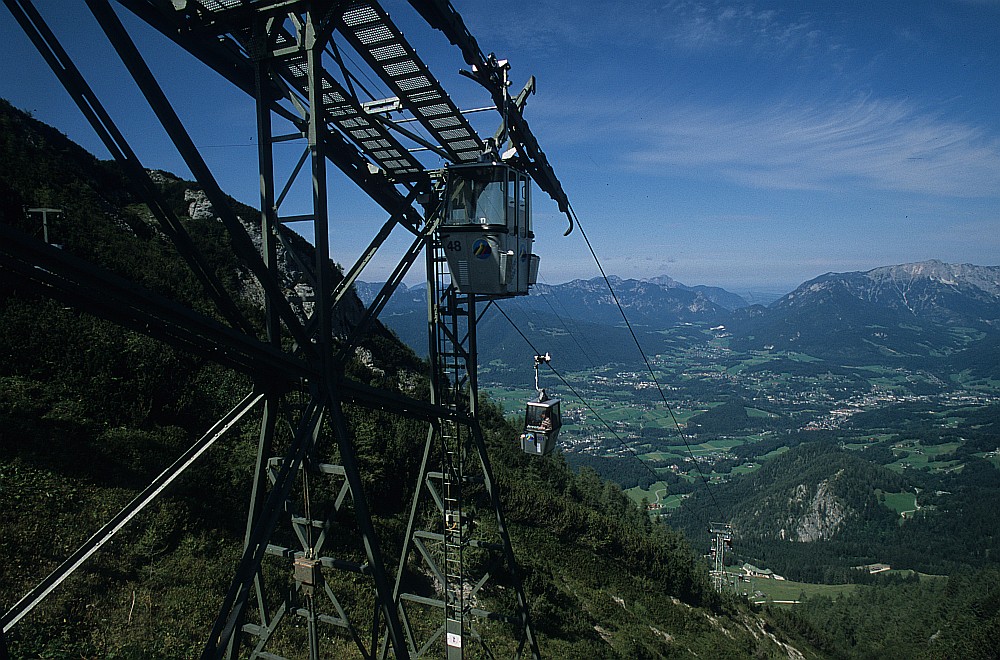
column 284, row 55
column 722, row 540
column 465, row 473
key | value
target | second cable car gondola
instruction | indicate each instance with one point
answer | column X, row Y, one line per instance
column 542, row 419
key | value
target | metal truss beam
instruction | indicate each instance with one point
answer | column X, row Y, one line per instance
column 373, row 551
column 231, row 613
column 345, row 285
column 94, row 290
column 281, row 67
column 229, row 59
column 122, row 518
column 270, row 58
column 60, row 63
column 390, row 286
column 160, row 105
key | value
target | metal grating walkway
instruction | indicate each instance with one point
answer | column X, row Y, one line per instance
column 370, row 31
column 372, row 34
column 338, row 106
column 344, row 111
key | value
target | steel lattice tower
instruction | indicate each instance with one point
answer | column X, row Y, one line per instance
column 286, row 56
column 722, row 540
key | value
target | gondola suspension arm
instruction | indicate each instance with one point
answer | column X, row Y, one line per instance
column 489, row 72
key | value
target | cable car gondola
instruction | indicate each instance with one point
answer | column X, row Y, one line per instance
column 486, row 233
column 542, row 419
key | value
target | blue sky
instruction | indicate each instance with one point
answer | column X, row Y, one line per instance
column 750, row 145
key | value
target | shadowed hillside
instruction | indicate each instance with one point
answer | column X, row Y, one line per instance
column 90, row 412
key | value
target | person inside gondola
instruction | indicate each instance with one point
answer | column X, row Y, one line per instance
column 546, row 423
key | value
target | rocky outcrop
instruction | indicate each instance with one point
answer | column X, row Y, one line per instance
column 823, row 518
column 295, row 258
column 819, row 517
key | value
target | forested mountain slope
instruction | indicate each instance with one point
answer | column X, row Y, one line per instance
column 90, row 412
column 817, row 511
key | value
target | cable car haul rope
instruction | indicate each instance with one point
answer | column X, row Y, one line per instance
column 649, row 368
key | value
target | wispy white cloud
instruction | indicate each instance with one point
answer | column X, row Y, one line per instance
column 877, row 144
column 806, row 142
column 552, row 26
column 717, row 24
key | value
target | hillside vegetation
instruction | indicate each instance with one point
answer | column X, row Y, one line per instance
column 90, row 412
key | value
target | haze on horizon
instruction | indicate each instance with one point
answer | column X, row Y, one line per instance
column 746, row 145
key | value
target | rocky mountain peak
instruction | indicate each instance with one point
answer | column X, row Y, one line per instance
column 900, row 310
column 984, row 278
column 665, row 281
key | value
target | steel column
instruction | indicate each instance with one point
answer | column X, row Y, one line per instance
column 284, row 70
column 453, row 357
column 320, row 213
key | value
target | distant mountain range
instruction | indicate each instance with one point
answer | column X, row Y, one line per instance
column 719, row 296
column 647, row 303
column 577, row 321
column 659, row 301
column 948, row 313
column 926, row 309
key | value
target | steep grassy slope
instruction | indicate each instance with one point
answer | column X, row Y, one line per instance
column 89, row 413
